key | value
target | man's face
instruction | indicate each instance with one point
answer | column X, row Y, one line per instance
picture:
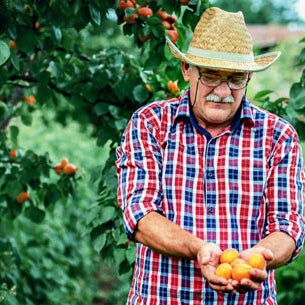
column 215, row 106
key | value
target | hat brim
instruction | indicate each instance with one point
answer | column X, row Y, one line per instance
column 259, row 63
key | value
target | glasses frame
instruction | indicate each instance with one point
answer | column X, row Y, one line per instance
column 221, row 80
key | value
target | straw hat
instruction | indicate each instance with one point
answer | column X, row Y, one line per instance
column 222, row 41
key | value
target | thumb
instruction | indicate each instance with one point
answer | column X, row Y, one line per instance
column 268, row 254
column 207, row 253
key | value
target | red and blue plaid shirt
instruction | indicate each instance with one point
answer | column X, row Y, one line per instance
column 232, row 190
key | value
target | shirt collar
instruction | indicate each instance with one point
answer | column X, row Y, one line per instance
column 243, row 115
column 183, row 109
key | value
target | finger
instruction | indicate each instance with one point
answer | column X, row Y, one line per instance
column 258, row 275
column 222, row 288
column 204, row 259
column 248, row 285
column 268, row 254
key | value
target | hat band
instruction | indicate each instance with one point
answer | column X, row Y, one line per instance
column 245, row 58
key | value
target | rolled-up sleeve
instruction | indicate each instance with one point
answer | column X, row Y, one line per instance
column 285, row 191
column 139, row 172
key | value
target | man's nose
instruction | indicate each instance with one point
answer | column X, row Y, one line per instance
column 222, row 90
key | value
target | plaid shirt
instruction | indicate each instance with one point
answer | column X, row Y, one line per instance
column 232, row 190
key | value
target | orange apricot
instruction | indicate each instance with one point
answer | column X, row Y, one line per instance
column 173, row 86
column 13, row 153
column 58, row 168
column 64, row 162
column 224, row 270
column 257, row 260
column 30, row 99
column 69, row 169
column 229, row 255
column 238, row 261
column 241, row 271
column 22, row 197
column 12, row 44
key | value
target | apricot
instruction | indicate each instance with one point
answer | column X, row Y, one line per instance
column 162, row 14
column 58, row 168
column 241, row 271
column 145, row 12
column 64, row 162
column 224, row 270
column 131, row 19
column 238, row 261
column 229, row 255
column 22, row 197
column 173, row 34
column 173, row 86
column 148, row 87
column 13, row 153
column 12, row 44
column 257, row 260
column 69, row 169
column 31, row 100
column 126, row 4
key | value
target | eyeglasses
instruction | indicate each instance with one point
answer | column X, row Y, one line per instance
column 235, row 82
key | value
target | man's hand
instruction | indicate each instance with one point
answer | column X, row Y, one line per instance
column 257, row 276
column 208, row 259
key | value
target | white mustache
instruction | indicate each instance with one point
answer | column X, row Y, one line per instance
column 216, row 99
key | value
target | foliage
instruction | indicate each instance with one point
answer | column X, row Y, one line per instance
column 290, row 281
column 292, row 108
column 104, row 220
column 48, row 263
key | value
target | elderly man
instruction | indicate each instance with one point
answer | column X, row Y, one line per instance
column 210, row 171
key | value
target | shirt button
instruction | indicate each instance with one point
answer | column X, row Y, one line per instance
column 210, row 174
column 211, row 210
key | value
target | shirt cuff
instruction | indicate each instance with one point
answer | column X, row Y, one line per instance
column 138, row 207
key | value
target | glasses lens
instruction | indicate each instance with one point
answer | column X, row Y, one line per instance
column 238, row 82
column 209, row 79
column 214, row 80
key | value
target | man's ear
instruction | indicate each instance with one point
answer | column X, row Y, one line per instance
column 185, row 69
column 250, row 75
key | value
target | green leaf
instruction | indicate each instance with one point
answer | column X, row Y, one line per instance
column 130, row 254
column 4, row 52
column 121, row 124
column 101, row 108
column 105, row 135
column 3, row 111
column 56, row 34
column 13, row 188
column 95, row 15
column 26, row 119
column 54, row 70
column 34, row 214
column 295, row 90
column 122, row 239
column 14, row 131
column 299, row 101
column 26, row 40
column 152, row 62
column 262, row 93
column 15, row 61
column 140, row 93
column 99, row 243
column 113, row 110
column 119, row 256
column 107, row 214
